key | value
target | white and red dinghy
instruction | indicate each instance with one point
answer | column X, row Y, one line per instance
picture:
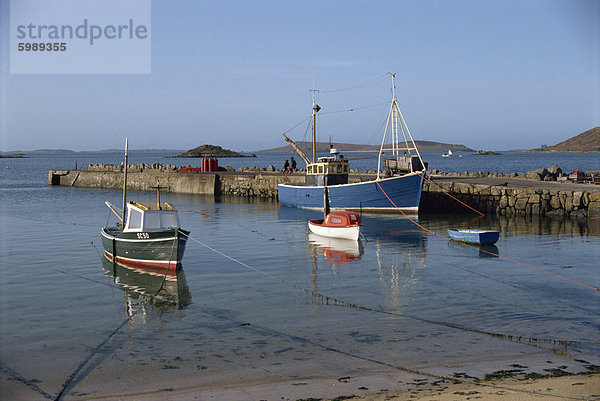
column 342, row 224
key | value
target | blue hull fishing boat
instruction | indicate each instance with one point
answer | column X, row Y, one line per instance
column 398, row 189
column 482, row 237
column 403, row 192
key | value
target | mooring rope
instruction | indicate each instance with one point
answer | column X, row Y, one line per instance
column 485, row 251
column 451, row 379
column 85, row 361
column 260, row 177
column 16, row 376
column 329, row 300
column 444, row 191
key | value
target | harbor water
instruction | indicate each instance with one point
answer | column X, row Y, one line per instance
column 264, row 310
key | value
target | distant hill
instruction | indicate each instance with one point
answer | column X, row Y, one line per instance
column 424, row 146
column 211, row 151
column 588, row 141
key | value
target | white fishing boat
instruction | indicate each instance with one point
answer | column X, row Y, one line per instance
column 447, row 154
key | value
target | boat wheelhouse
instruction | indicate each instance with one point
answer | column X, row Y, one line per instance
column 146, row 216
column 327, row 171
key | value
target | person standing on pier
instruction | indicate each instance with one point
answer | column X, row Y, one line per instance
column 293, row 163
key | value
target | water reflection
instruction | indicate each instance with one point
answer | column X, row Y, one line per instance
column 164, row 291
column 517, row 225
column 400, row 252
column 397, row 229
column 482, row 251
column 336, row 250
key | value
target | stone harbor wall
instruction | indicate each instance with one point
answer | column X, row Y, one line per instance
column 508, row 201
column 254, row 184
column 186, row 183
column 505, row 194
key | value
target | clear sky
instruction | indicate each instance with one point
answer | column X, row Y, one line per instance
column 492, row 75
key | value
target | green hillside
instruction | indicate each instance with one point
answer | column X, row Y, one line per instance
column 588, row 141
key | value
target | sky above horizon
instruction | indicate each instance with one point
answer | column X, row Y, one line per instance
column 494, row 75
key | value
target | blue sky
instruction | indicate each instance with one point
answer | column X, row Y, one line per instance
column 493, row 75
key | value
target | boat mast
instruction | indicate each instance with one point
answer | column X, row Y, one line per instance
column 396, row 119
column 124, row 186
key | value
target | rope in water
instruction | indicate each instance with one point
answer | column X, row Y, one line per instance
column 328, row 300
column 444, row 191
column 454, row 379
column 486, row 251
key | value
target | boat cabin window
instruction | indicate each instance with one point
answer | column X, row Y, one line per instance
column 159, row 221
column 135, row 220
column 335, row 220
column 169, row 220
column 151, row 220
column 339, row 168
column 321, row 169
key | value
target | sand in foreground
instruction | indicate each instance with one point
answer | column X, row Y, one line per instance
column 553, row 388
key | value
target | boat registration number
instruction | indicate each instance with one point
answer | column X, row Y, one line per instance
column 143, row 235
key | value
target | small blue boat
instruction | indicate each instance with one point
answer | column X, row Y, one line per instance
column 483, row 237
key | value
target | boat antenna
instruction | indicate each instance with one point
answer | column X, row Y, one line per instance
column 158, row 188
column 315, row 109
column 124, row 185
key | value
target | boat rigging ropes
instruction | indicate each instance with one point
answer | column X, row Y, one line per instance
column 355, row 108
column 328, row 300
column 359, row 85
column 485, row 251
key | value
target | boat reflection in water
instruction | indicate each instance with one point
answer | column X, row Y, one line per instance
column 164, row 290
column 482, row 251
column 337, row 250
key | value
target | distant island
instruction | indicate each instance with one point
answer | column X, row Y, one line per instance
column 12, row 156
column 211, row 151
column 588, row 141
column 424, row 146
column 487, row 152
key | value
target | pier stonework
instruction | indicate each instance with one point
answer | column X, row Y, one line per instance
column 185, row 183
column 507, row 196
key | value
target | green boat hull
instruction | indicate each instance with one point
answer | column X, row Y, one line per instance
column 153, row 250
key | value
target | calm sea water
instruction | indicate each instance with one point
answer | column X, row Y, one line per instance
column 264, row 302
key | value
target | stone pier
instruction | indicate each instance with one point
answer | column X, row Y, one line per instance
column 491, row 195
column 510, row 196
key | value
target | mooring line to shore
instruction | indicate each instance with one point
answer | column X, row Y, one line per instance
column 456, row 266
column 71, row 379
column 16, row 376
column 483, row 250
column 327, row 300
column 85, row 361
column 444, row 378
column 444, row 191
